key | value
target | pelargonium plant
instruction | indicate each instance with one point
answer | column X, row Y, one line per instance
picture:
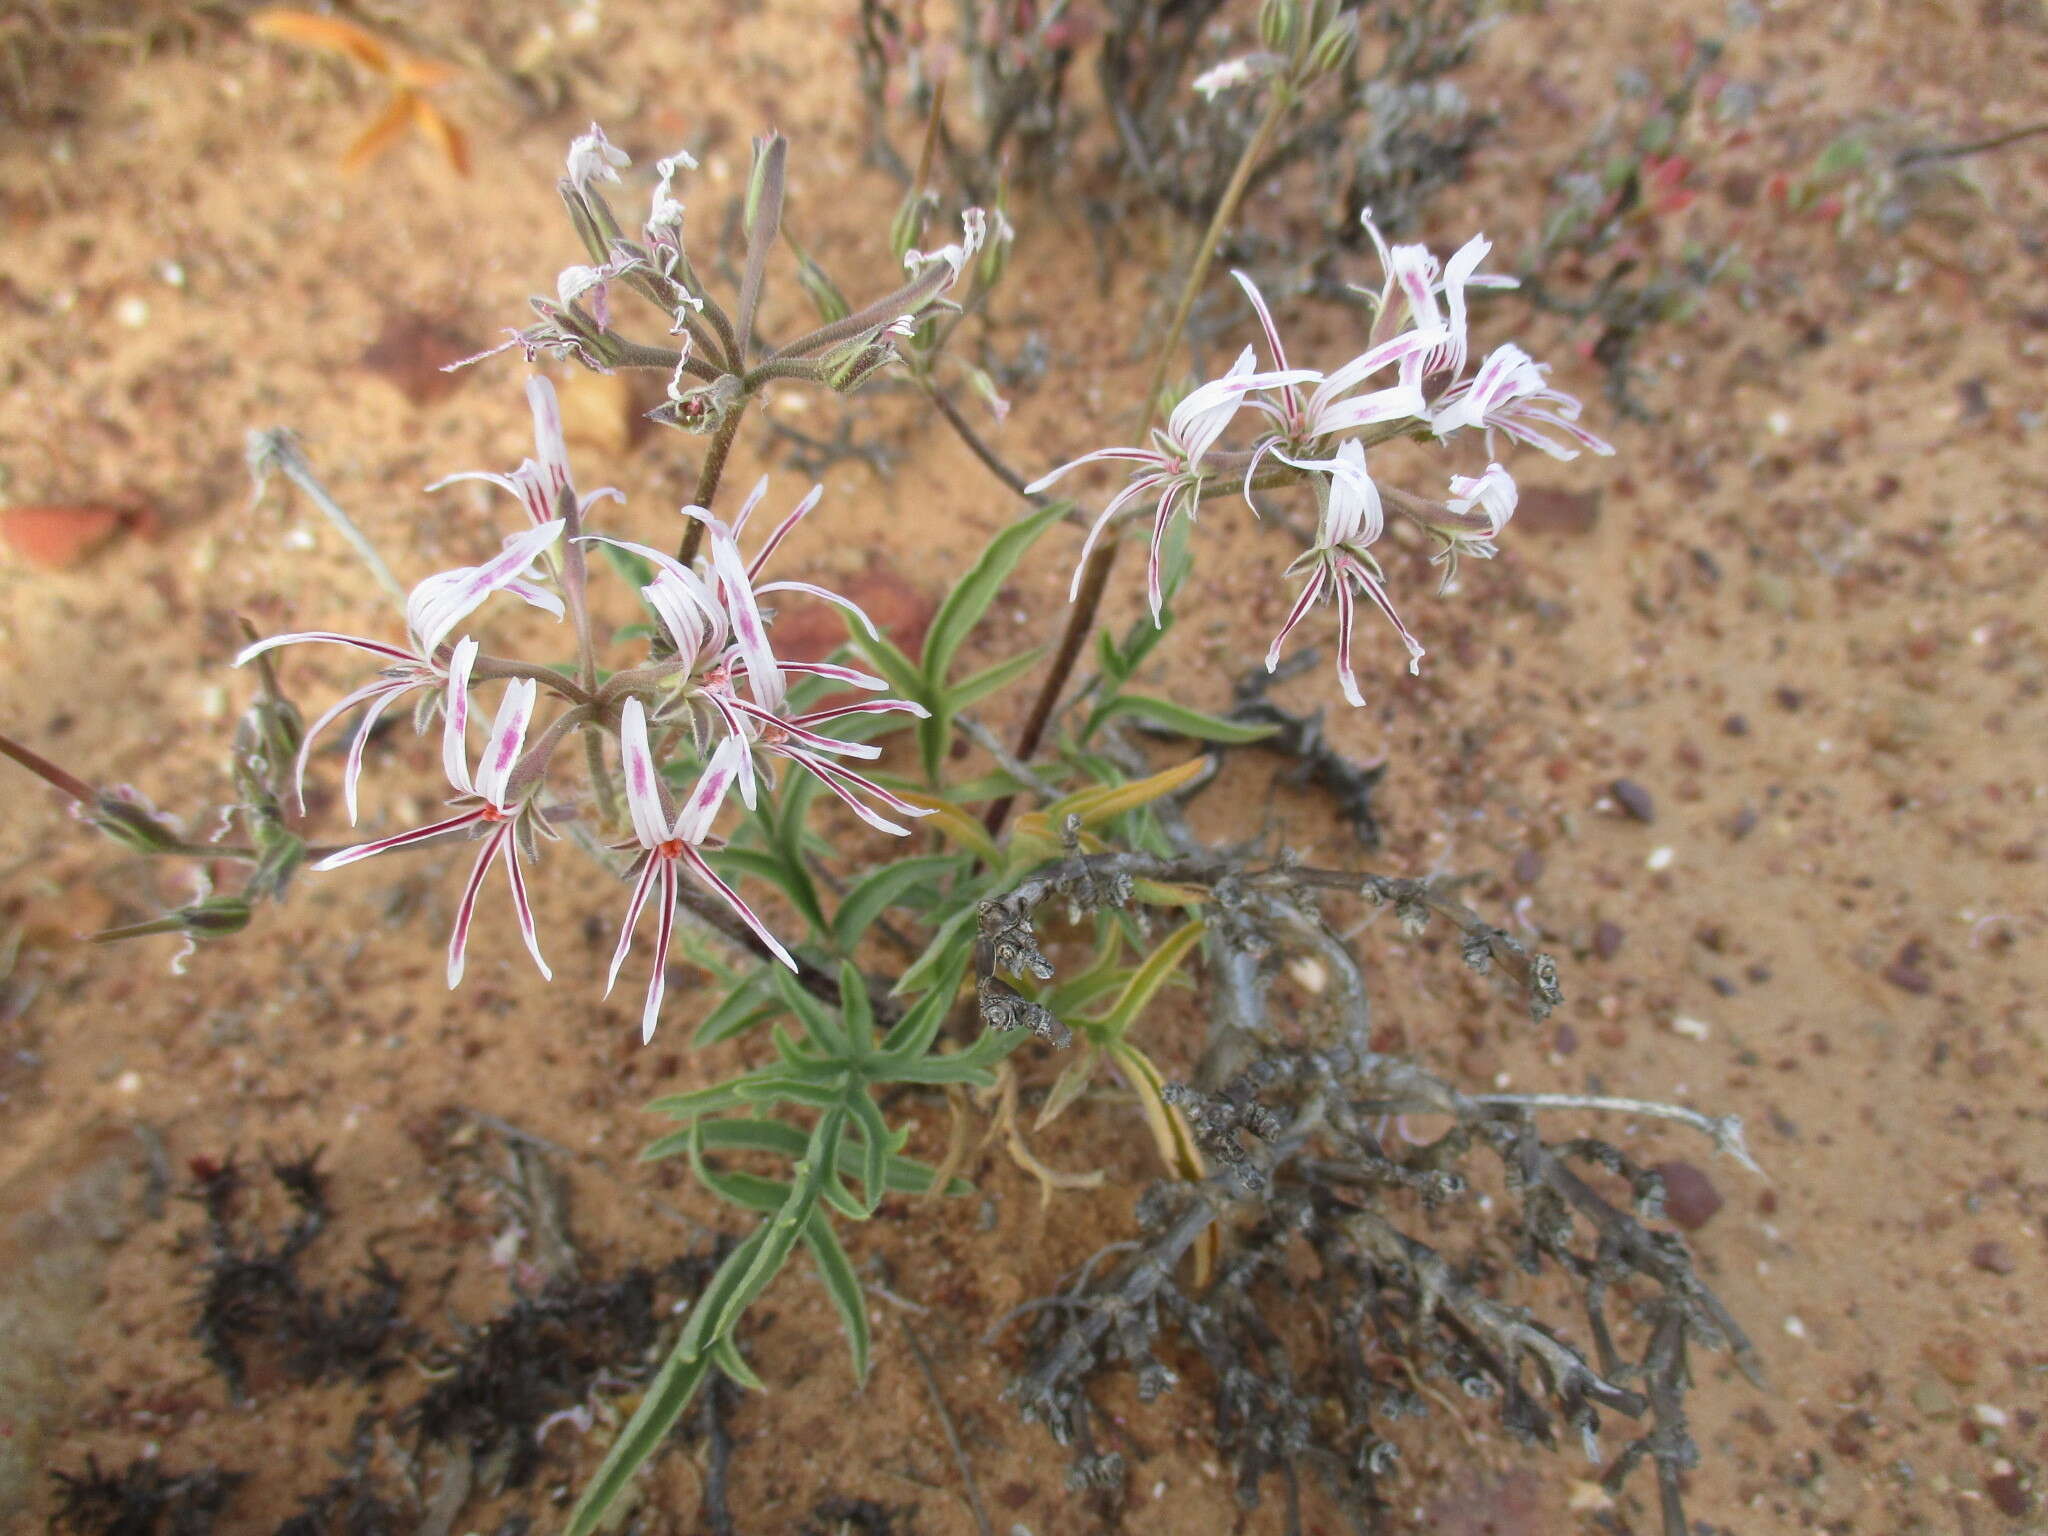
column 706, row 755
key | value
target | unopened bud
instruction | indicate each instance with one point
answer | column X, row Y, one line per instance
column 132, row 821
column 1279, row 20
column 595, row 229
column 906, row 230
column 824, row 293
column 994, row 259
column 1334, row 47
column 850, row 365
column 214, row 918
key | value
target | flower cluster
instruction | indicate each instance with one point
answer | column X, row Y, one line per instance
column 714, row 684
column 1318, row 425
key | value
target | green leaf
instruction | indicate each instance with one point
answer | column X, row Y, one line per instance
column 883, row 889
column 877, row 1142
column 919, row 1026
column 1177, row 718
column 817, row 1093
column 667, row 1396
column 701, row 1101
column 742, row 1008
column 969, row 599
column 787, row 875
column 901, row 672
column 842, row 1285
column 900, row 1175
column 954, row 938
column 972, row 690
column 787, row 1224
column 1149, row 977
column 825, row 1027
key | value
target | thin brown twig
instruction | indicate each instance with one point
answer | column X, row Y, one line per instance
column 931, row 1381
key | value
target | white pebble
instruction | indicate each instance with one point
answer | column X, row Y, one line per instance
column 1989, row 1416
column 1660, row 858
column 129, row 1082
column 1795, row 1327
column 1691, row 1028
column 132, row 312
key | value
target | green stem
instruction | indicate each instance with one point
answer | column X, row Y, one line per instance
column 1095, row 574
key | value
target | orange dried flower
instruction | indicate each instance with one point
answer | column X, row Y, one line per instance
column 409, row 75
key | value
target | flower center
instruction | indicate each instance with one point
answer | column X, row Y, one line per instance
column 672, row 849
column 496, row 812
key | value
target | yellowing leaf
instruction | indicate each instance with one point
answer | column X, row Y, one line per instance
column 1095, row 806
column 407, row 72
column 1067, row 1087
column 1149, row 977
column 1170, row 1133
column 1160, row 893
column 956, row 824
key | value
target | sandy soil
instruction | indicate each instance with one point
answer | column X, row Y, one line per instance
column 1802, row 610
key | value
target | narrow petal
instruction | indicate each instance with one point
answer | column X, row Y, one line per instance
column 341, row 707
column 354, row 768
column 1311, row 590
column 837, row 674
column 1153, row 586
column 1273, row 346
column 325, row 637
column 739, row 730
column 643, row 785
column 400, row 840
column 551, row 452
column 693, row 821
column 1347, row 612
column 1137, row 485
column 1100, row 455
column 465, row 908
column 508, row 735
column 746, row 510
column 1369, row 582
column 865, row 707
column 455, row 716
column 838, row 600
column 745, row 616
column 641, row 886
column 540, row 597
column 657, row 980
column 808, row 738
column 844, row 783
column 782, row 530
column 745, row 913
column 522, row 906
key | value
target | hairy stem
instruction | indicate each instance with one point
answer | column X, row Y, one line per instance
column 1095, row 574
column 709, row 476
column 504, row 666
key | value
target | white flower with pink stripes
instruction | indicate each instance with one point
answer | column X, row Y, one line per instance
column 543, row 483
column 435, row 607
column 1172, row 466
column 496, row 801
column 669, row 846
column 1340, row 566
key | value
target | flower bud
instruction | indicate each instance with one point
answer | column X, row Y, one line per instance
column 824, row 293
column 213, row 918
column 850, row 365
column 1333, row 48
column 906, row 230
column 129, row 819
column 1279, row 20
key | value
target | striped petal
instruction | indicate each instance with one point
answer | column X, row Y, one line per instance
column 704, row 872
column 641, row 885
column 643, row 784
column 508, row 735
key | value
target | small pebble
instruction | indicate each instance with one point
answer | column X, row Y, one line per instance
column 1660, row 858
column 1607, row 939
column 1690, row 1198
column 1634, row 799
column 133, row 312
column 1691, row 1028
column 1795, row 1327
column 1993, row 1258
column 1990, row 1416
